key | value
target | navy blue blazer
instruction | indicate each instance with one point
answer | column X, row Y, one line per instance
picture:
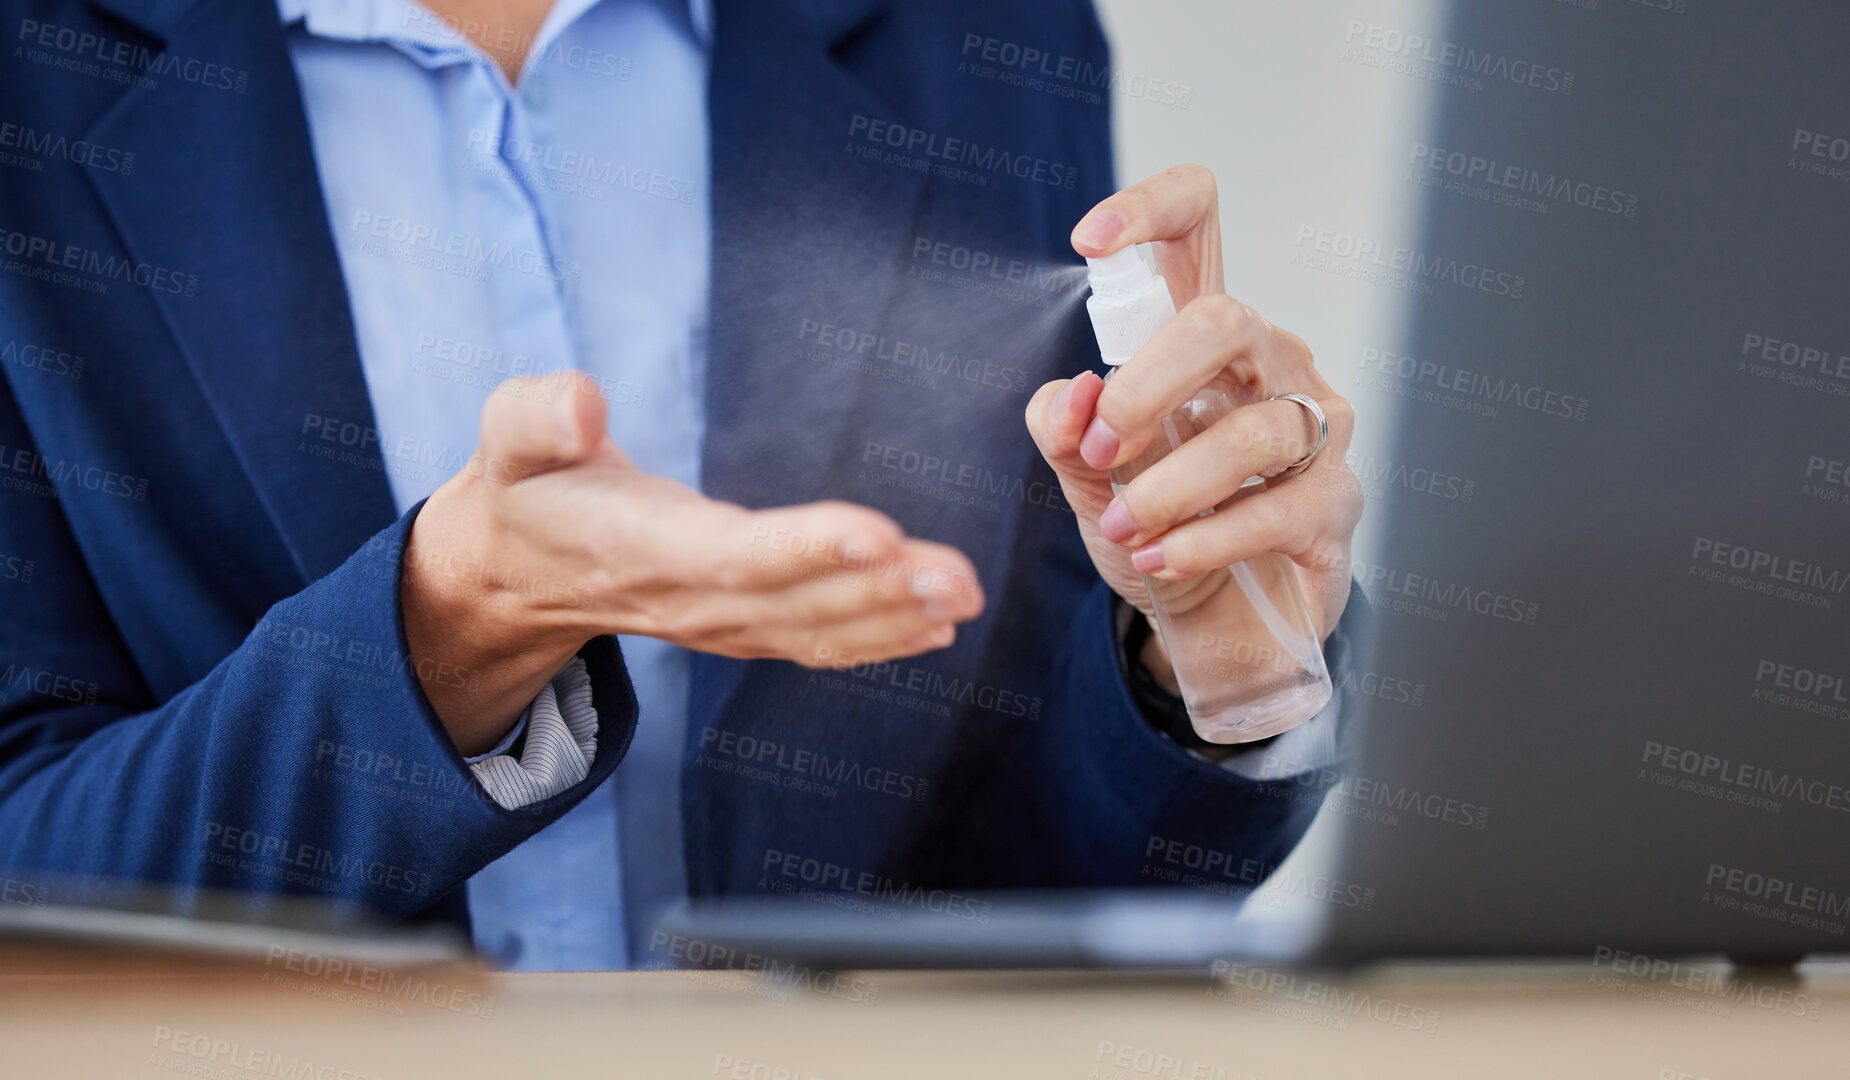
column 202, row 657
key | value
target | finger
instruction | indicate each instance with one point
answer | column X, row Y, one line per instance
column 777, row 548
column 942, row 580
column 1212, row 333
column 783, row 619
column 828, row 601
column 535, row 424
column 1290, row 518
column 1166, row 206
column 844, row 596
column 1262, row 439
column 874, row 639
column 853, row 548
column 1057, row 418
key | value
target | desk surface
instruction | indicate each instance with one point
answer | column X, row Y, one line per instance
column 75, row 1013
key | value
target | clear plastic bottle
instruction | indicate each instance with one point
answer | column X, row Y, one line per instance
column 1245, row 648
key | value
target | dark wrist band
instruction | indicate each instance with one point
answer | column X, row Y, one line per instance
column 1163, row 710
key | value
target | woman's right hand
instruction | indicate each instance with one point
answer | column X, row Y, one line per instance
column 551, row 536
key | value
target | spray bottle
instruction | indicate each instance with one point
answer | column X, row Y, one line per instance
column 1244, row 645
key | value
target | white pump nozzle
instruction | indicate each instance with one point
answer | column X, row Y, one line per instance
column 1129, row 303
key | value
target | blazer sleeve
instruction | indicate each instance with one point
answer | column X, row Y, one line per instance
column 308, row 761
column 1089, row 793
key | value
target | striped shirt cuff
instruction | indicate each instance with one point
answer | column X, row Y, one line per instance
column 561, row 727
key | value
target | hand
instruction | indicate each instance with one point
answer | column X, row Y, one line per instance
column 551, row 536
column 1086, row 426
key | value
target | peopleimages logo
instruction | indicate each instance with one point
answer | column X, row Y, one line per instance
column 1810, row 367
column 33, row 357
column 1388, row 587
column 1383, row 261
column 118, row 61
column 1163, row 857
column 810, row 763
column 1471, row 174
column 541, row 160
column 1328, row 998
column 1765, row 572
column 1777, row 898
column 217, row 1057
column 1820, row 154
column 782, row 870
column 471, row 251
column 1062, row 76
column 1463, row 390
column 35, row 147
column 1449, row 62
column 249, row 851
column 56, row 255
column 899, row 353
column 1748, row 778
column 39, row 472
column 1717, row 985
column 20, row 679
column 929, row 151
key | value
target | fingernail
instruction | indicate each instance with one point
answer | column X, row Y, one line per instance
column 1148, row 560
column 1116, row 522
column 935, row 638
column 1060, row 399
column 1099, row 446
column 565, row 415
column 936, row 609
column 1099, row 229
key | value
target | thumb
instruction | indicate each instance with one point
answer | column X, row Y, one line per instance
column 1057, row 419
column 536, row 424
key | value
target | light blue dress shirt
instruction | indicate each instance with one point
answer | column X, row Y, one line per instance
column 486, row 232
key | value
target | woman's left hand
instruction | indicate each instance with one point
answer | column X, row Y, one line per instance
column 1085, row 427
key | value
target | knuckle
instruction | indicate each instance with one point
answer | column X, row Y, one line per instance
column 1325, row 556
column 1269, row 520
column 733, row 575
column 1340, row 412
column 627, row 581
column 806, row 649
column 1242, row 434
column 681, row 622
column 1151, row 505
column 1132, row 201
column 806, row 613
column 1296, row 347
column 1182, row 551
column 1221, row 316
column 1197, row 175
column 1336, row 477
column 1036, row 415
column 1128, row 400
column 854, row 527
column 693, row 620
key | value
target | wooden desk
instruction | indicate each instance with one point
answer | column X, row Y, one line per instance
column 71, row 1013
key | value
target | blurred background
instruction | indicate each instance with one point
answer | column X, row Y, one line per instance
column 1580, row 265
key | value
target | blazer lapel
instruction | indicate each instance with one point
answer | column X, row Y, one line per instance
column 225, row 188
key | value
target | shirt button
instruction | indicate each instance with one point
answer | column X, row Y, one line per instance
column 536, row 92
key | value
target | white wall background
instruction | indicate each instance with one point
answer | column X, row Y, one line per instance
column 1297, row 135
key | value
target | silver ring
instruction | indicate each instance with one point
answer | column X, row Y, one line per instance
column 1323, row 432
